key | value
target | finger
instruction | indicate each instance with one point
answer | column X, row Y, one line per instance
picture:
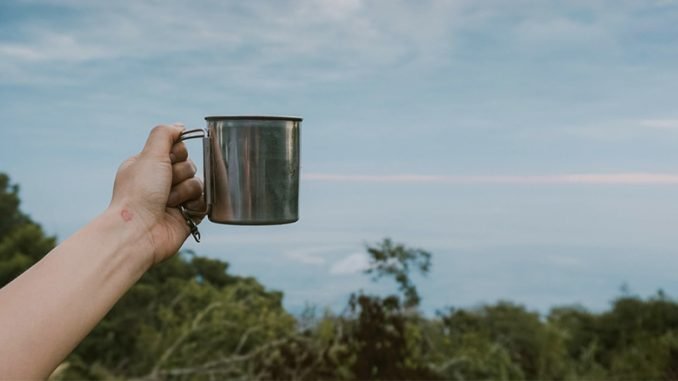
column 186, row 190
column 196, row 209
column 183, row 171
column 179, row 152
column 161, row 139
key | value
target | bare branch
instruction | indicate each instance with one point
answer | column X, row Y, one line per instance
column 194, row 326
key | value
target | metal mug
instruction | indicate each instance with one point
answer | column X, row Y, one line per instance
column 251, row 170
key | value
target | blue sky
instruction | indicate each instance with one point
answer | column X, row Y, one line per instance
column 529, row 145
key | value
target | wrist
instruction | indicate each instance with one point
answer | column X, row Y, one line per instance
column 131, row 237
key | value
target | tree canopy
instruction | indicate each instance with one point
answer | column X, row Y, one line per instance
column 22, row 241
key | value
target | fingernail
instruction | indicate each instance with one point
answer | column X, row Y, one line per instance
column 173, row 157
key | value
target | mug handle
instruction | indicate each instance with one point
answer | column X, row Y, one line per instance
column 195, row 134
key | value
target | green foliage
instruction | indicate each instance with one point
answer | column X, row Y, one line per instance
column 398, row 261
column 185, row 320
column 22, row 241
column 10, row 215
column 382, row 342
column 513, row 343
column 473, row 356
column 382, row 337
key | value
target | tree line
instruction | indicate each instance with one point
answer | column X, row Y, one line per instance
column 189, row 318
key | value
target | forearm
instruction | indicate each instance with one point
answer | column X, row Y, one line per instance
column 50, row 308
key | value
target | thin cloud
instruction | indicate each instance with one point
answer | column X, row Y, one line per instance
column 581, row 179
column 285, row 43
column 305, row 257
column 315, row 255
column 310, row 256
column 352, row 264
column 336, row 38
column 51, row 47
column 662, row 124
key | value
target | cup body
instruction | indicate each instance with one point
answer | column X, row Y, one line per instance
column 252, row 169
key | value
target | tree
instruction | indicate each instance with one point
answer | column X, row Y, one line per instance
column 399, row 262
column 382, row 337
column 22, row 241
column 186, row 319
column 516, row 339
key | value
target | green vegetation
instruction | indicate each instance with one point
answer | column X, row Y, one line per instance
column 189, row 319
column 22, row 241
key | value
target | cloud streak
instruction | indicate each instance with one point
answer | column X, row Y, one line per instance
column 305, row 257
column 661, row 124
column 352, row 264
column 631, row 178
column 325, row 40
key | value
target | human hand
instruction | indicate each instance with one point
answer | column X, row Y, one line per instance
column 149, row 188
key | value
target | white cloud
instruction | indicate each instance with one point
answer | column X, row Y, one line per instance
column 50, row 46
column 564, row 260
column 300, row 41
column 352, row 264
column 622, row 130
column 315, row 254
column 559, row 31
column 326, row 40
column 662, row 124
column 307, row 257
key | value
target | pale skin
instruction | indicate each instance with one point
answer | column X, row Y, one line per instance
column 50, row 308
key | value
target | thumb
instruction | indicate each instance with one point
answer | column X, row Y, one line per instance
column 161, row 139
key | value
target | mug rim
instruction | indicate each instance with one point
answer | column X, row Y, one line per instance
column 253, row 117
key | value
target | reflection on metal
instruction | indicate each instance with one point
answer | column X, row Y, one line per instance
column 252, row 172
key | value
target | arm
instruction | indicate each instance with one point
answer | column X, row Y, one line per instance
column 49, row 309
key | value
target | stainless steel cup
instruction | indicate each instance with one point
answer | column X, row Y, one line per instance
column 251, row 169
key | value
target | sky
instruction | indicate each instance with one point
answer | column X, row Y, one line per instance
column 530, row 146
